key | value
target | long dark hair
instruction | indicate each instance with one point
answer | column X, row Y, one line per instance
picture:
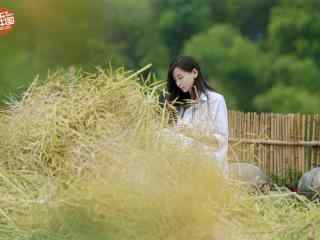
column 186, row 63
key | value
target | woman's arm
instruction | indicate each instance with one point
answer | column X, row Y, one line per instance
column 187, row 137
column 210, row 149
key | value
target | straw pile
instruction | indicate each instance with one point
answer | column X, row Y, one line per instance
column 81, row 157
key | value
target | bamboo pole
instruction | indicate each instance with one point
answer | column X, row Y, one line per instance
column 283, row 149
column 265, row 130
column 317, row 138
column 290, row 150
column 276, row 147
column 313, row 135
column 302, row 148
column 270, row 148
column 261, row 134
column 296, row 150
column 297, row 136
column 286, row 147
column 274, row 130
column 309, row 138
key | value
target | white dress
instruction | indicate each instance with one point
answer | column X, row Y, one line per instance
column 210, row 116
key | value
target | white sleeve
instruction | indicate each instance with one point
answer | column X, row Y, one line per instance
column 177, row 136
column 221, row 132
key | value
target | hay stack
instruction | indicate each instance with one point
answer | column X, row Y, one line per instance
column 83, row 150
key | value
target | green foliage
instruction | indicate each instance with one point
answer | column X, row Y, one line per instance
column 290, row 70
column 281, row 98
column 180, row 19
column 295, row 29
column 132, row 25
column 231, row 60
column 250, row 16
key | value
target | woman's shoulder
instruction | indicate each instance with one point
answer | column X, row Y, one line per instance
column 214, row 96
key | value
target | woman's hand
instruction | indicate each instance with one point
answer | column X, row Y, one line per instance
column 182, row 124
column 169, row 106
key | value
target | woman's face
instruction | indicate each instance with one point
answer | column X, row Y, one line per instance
column 183, row 79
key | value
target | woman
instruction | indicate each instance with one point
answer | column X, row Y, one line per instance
column 198, row 106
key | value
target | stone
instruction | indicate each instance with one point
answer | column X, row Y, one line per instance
column 250, row 174
column 309, row 184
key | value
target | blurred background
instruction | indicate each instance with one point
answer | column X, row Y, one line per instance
column 262, row 55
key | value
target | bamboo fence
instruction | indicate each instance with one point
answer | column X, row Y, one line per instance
column 282, row 145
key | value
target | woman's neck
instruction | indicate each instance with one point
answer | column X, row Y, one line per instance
column 194, row 93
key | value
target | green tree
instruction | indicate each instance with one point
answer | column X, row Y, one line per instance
column 281, row 98
column 251, row 17
column 291, row 86
column 290, row 70
column 235, row 63
column 180, row 19
column 295, row 28
column 133, row 25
